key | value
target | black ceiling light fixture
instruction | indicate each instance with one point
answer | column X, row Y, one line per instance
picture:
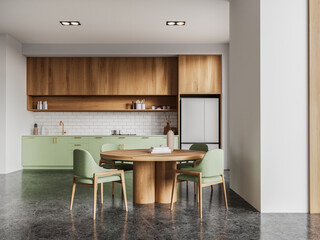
column 176, row 23
column 70, row 23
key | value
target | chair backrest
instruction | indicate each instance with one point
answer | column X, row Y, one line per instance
column 212, row 163
column 199, row 147
column 109, row 147
column 83, row 164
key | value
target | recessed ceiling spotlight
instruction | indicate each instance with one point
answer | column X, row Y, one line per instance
column 75, row 23
column 70, row 23
column 65, row 23
column 181, row 23
column 176, row 23
column 170, row 23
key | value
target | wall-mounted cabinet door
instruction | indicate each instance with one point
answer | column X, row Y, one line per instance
column 132, row 76
column 96, row 76
column 37, row 76
column 165, row 75
column 142, row 76
column 56, row 76
column 200, row 74
column 102, row 76
column 67, row 76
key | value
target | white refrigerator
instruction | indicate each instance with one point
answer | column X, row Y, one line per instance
column 200, row 122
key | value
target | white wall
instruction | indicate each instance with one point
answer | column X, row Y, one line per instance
column 284, row 106
column 17, row 119
column 268, row 103
column 244, row 100
column 55, row 50
column 2, row 103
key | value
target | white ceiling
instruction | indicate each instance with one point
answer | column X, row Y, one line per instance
column 116, row 21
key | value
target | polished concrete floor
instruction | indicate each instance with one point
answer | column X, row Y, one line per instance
column 35, row 205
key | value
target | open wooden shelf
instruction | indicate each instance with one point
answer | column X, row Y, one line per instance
column 101, row 103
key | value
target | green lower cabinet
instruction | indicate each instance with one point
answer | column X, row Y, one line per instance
column 57, row 152
column 95, row 144
column 37, row 151
column 64, row 147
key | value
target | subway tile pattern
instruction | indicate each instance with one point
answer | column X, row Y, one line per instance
column 102, row 123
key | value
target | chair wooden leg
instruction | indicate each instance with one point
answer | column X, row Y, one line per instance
column 101, row 192
column 173, row 190
column 224, row 192
column 112, row 188
column 72, row 194
column 197, row 191
column 95, row 189
column 211, row 187
column 124, row 190
column 195, row 188
column 200, row 196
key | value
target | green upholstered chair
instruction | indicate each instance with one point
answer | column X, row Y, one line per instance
column 112, row 164
column 109, row 163
column 207, row 173
column 196, row 147
column 87, row 172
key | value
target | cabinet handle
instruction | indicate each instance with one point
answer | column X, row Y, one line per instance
column 77, row 145
column 54, row 140
column 145, row 137
column 98, row 137
column 77, row 137
column 121, row 137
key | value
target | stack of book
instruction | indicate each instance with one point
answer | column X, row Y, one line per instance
column 160, row 150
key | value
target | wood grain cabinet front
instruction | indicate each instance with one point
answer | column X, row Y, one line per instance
column 54, row 76
column 200, row 74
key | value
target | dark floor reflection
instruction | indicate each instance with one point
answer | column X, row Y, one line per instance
column 35, row 205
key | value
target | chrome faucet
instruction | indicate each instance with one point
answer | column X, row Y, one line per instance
column 63, row 132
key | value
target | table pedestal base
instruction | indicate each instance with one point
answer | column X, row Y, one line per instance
column 144, row 182
column 164, row 181
column 152, row 182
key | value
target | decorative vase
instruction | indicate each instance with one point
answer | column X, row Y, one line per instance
column 166, row 128
column 170, row 140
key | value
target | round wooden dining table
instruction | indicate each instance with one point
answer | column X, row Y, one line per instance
column 153, row 173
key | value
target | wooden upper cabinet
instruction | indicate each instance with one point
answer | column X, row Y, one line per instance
column 102, row 76
column 165, row 75
column 37, row 76
column 200, row 74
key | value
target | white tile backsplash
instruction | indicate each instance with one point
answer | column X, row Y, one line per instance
column 101, row 123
